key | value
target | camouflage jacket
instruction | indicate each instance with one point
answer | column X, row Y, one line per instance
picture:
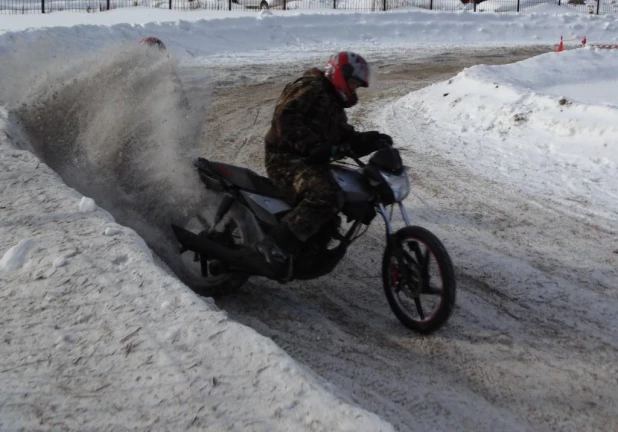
column 309, row 114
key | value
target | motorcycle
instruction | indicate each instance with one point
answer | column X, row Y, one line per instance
column 218, row 255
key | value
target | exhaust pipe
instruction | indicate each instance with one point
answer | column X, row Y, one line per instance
column 244, row 259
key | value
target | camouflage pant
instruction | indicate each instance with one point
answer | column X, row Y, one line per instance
column 311, row 188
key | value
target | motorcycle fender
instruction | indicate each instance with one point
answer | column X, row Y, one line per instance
column 267, row 209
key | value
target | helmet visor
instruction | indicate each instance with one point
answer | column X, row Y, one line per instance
column 366, row 78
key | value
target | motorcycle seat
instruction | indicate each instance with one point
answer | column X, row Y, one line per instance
column 243, row 178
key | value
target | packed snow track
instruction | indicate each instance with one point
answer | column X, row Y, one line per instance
column 516, row 342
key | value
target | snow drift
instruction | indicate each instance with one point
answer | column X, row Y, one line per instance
column 553, row 118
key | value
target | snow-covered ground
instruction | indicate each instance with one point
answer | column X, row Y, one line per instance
column 97, row 335
column 547, row 125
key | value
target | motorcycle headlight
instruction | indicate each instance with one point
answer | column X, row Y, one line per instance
column 399, row 184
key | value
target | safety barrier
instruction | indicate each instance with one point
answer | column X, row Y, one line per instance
column 46, row 6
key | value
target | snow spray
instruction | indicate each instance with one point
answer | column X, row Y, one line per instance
column 118, row 128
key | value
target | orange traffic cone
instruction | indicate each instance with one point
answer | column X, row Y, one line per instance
column 560, row 45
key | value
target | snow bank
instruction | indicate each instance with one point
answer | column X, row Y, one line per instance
column 227, row 34
column 553, row 118
column 94, row 336
column 550, row 93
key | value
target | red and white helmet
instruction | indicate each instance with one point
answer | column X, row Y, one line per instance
column 343, row 66
column 153, row 42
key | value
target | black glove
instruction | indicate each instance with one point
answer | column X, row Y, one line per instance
column 378, row 140
column 384, row 141
column 320, row 153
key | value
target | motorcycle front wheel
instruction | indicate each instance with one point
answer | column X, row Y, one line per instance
column 424, row 300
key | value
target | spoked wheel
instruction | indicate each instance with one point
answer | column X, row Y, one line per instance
column 419, row 280
column 210, row 277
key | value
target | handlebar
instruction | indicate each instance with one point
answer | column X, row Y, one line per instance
column 356, row 159
column 346, row 151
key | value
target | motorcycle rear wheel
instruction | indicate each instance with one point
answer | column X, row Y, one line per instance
column 426, row 301
column 209, row 277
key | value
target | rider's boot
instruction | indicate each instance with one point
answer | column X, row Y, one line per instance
column 277, row 248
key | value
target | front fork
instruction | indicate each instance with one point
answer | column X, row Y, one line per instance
column 388, row 218
column 391, row 240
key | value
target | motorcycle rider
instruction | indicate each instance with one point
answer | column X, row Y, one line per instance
column 308, row 128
